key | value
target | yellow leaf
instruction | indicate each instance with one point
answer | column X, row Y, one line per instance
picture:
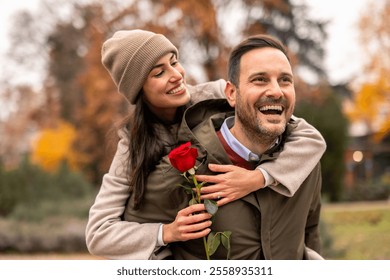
column 54, row 145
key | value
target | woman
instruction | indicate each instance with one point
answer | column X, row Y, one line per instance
column 138, row 209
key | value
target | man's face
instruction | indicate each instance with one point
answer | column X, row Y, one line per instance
column 265, row 98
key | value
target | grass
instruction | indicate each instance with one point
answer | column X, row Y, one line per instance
column 353, row 231
column 358, row 231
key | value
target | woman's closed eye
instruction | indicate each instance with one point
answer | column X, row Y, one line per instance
column 159, row 74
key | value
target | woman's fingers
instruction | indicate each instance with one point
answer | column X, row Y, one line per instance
column 191, row 222
column 192, row 209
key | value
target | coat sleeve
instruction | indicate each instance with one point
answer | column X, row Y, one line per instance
column 312, row 231
column 107, row 235
column 209, row 90
column 303, row 149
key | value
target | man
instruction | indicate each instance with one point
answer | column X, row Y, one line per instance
column 264, row 224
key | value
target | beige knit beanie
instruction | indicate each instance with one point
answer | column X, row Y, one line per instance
column 129, row 56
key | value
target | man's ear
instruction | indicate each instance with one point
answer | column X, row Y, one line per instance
column 230, row 92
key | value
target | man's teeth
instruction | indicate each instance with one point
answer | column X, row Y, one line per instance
column 271, row 108
column 175, row 90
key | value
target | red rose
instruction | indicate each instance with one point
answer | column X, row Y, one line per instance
column 183, row 158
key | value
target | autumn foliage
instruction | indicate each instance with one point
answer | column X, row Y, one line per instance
column 372, row 97
column 53, row 146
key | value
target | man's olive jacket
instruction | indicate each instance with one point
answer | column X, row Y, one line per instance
column 116, row 231
column 264, row 224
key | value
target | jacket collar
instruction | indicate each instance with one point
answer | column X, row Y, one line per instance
column 209, row 115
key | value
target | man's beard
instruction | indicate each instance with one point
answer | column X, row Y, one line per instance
column 255, row 128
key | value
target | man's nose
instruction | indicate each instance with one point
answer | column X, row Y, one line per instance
column 274, row 90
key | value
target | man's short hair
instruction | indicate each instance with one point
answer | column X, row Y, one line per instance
column 253, row 42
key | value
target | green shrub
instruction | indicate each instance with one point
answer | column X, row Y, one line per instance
column 378, row 189
column 29, row 192
column 51, row 235
column 41, row 211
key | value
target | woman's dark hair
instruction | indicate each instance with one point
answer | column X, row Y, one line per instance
column 146, row 148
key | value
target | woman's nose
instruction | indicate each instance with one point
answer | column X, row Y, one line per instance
column 175, row 74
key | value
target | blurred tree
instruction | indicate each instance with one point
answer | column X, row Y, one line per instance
column 102, row 106
column 52, row 44
column 66, row 44
column 205, row 30
column 77, row 82
column 287, row 21
column 333, row 125
column 372, row 99
column 17, row 131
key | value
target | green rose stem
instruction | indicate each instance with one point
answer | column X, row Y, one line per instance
column 198, row 187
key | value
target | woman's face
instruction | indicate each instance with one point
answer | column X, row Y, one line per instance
column 165, row 88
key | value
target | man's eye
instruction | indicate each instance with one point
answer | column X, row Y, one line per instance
column 260, row 79
column 286, row 80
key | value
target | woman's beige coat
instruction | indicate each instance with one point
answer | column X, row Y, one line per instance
column 116, row 231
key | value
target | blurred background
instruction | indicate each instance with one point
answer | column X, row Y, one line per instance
column 58, row 106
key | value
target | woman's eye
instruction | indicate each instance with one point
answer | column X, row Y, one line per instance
column 159, row 74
